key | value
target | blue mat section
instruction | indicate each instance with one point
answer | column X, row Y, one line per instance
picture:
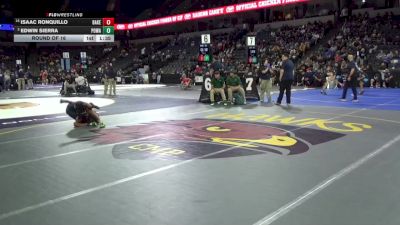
column 379, row 99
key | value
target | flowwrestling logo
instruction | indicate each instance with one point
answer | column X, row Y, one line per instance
column 187, row 139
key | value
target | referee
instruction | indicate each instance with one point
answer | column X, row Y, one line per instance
column 351, row 81
column 285, row 79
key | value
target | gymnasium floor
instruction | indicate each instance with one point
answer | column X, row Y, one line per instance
column 166, row 159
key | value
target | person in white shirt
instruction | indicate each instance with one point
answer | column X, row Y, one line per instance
column 80, row 80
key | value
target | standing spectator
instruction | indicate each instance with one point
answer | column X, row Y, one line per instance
column 99, row 75
column 154, row 78
column 105, row 81
column 159, row 77
column 29, row 76
column 119, row 73
column 110, row 80
column 43, row 76
column 285, row 79
column 265, row 82
column 7, row 80
column 21, row 79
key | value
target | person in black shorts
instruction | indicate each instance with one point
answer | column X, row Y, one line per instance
column 83, row 113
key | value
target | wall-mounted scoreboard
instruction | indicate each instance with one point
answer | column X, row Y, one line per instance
column 251, row 50
column 64, row 27
column 205, row 48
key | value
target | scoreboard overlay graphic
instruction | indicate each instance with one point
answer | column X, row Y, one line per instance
column 64, row 29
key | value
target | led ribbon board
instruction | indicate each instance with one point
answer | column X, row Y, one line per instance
column 208, row 13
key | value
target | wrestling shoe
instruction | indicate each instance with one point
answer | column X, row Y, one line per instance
column 94, row 106
column 93, row 124
column 101, row 125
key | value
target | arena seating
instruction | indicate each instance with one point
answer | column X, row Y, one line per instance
column 313, row 45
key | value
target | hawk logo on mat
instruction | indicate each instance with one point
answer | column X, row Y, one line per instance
column 18, row 105
column 186, row 139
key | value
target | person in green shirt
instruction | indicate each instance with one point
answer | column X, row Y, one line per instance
column 217, row 86
column 234, row 85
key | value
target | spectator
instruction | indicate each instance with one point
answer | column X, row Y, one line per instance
column 330, row 80
column 185, row 82
column 21, row 79
column 110, row 80
column 234, row 85
column 217, row 87
column 29, row 76
column 265, row 76
column 159, row 77
column 7, row 80
column 44, row 75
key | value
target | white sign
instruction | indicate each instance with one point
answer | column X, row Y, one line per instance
column 83, row 55
column 198, row 79
column 19, row 62
column 223, row 10
column 66, row 55
column 249, row 82
column 251, row 41
column 205, row 39
column 207, row 84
